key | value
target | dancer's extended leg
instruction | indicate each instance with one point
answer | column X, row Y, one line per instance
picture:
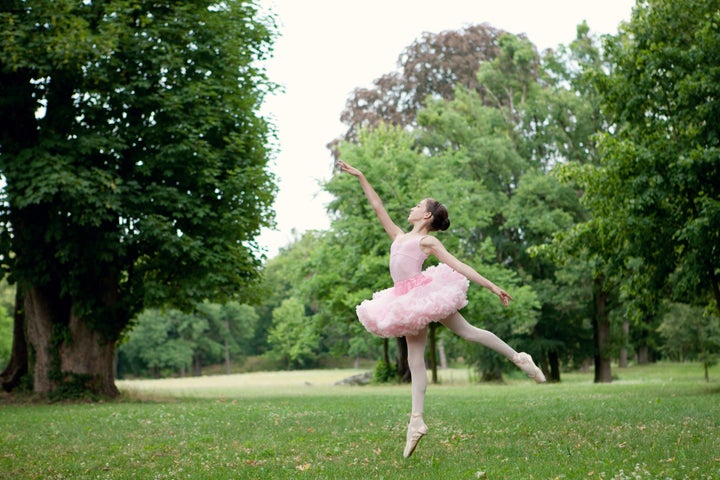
column 416, row 361
column 460, row 326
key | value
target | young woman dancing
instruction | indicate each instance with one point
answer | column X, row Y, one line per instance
column 419, row 297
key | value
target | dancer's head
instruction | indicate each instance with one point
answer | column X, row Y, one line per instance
column 440, row 220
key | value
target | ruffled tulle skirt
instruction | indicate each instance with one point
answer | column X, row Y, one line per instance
column 411, row 304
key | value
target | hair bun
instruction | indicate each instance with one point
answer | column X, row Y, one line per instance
column 441, row 220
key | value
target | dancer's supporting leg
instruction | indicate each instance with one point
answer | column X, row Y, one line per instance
column 460, row 326
column 416, row 361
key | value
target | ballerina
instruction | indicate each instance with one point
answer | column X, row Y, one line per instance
column 419, row 297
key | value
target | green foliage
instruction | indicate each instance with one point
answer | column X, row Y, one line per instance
column 292, row 338
column 74, row 386
column 230, row 325
column 690, row 334
column 6, row 337
column 385, row 372
column 7, row 308
column 508, row 144
column 165, row 343
column 658, row 187
column 402, row 176
column 159, row 342
column 287, row 275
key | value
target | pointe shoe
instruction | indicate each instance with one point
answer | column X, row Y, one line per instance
column 526, row 364
column 416, row 430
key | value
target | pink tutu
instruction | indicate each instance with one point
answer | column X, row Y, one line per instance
column 411, row 304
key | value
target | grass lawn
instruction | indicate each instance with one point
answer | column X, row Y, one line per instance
column 660, row 421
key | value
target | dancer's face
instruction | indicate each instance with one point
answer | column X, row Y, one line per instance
column 418, row 212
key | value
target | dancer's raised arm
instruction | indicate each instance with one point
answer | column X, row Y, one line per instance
column 375, row 202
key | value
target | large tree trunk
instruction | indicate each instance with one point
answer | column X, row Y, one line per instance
column 69, row 357
column 601, row 327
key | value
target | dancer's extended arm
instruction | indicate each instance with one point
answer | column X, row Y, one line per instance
column 375, row 202
column 433, row 246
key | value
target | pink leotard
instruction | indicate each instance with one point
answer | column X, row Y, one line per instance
column 406, row 258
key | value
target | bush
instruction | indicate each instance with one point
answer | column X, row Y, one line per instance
column 385, row 372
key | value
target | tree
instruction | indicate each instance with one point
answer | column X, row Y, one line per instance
column 431, row 67
column 508, row 136
column 586, row 251
column 170, row 341
column 657, row 187
column 663, row 161
column 135, row 166
column 231, row 328
column 292, row 338
column 161, row 343
column 691, row 334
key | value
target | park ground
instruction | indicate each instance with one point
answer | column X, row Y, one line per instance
column 653, row 422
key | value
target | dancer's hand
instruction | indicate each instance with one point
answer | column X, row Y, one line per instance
column 503, row 296
column 349, row 169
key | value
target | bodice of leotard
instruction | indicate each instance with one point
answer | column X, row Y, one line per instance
column 406, row 258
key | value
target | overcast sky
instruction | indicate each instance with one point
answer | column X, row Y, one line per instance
column 327, row 48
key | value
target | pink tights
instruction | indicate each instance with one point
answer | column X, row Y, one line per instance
column 416, row 353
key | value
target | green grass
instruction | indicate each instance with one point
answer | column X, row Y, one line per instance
column 660, row 421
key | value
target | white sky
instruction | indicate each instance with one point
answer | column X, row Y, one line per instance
column 327, row 48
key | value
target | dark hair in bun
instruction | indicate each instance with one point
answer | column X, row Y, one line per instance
column 440, row 219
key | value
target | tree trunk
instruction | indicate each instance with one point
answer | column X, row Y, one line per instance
column 624, row 349
column 443, row 355
column 197, row 365
column 17, row 368
column 601, row 327
column 69, row 357
column 386, row 351
column 402, row 360
column 715, row 284
column 706, row 366
column 433, row 353
column 492, row 375
column 227, row 349
column 554, row 364
column 603, row 367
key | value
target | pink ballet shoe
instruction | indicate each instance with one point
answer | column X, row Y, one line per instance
column 416, row 430
column 526, row 364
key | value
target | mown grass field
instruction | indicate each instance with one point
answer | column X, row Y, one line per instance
column 654, row 422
